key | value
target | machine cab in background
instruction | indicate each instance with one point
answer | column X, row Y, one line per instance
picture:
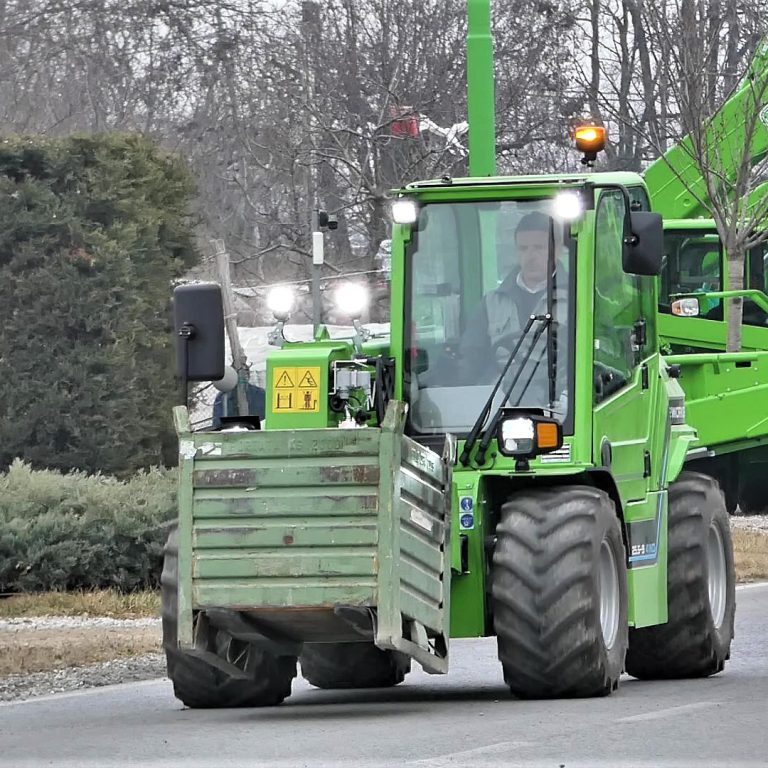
column 695, row 262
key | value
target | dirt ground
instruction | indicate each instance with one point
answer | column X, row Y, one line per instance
column 38, row 647
column 750, row 550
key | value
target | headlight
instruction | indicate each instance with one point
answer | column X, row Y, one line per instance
column 567, row 206
column 517, row 437
column 525, row 435
column 685, row 308
column 352, row 299
column 280, row 301
column 404, row 211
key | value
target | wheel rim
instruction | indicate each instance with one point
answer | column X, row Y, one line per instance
column 238, row 652
column 610, row 598
column 716, row 576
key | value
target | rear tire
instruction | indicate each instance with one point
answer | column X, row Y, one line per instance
column 701, row 589
column 559, row 593
column 199, row 685
column 352, row 665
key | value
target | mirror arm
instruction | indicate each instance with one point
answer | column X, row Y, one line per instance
column 186, row 334
column 630, row 238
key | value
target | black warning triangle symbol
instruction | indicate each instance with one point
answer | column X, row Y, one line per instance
column 307, row 380
column 284, row 382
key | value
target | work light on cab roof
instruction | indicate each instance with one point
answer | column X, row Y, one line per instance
column 589, row 139
column 404, row 211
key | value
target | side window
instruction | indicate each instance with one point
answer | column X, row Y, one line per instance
column 618, row 301
column 436, row 276
column 692, row 264
column 756, row 279
column 638, row 199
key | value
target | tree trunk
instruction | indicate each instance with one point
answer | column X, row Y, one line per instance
column 736, row 306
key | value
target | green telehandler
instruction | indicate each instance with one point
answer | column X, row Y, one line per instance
column 525, row 481
column 724, row 392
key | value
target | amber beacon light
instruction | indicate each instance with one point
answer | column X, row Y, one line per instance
column 589, row 139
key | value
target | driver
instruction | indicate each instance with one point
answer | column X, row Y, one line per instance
column 492, row 333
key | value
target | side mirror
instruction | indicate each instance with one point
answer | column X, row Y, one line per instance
column 198, row 319
column 644, row 256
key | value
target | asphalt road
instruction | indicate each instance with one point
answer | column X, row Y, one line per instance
column 462, row 719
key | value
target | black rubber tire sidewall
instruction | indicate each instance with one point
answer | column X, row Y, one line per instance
column 545, row 593
column 197, row 684
column 352, row 665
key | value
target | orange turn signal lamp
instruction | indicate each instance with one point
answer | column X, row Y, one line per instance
column 547, row 437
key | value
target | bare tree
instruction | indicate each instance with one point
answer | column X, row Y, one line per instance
column 658, row 73
column 369, row 98
column 721, row 159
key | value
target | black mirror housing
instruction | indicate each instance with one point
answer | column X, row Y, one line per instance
column 198, row 319
column 644, row 256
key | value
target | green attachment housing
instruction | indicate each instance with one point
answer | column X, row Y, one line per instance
column 298, row 381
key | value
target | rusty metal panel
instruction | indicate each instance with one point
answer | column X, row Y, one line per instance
column 284, row 519
column 311, row 520
column 311, row 593
column 413, row 546
column 287, row 475
column 283, row 532
column 279, row 504
column 284, row 562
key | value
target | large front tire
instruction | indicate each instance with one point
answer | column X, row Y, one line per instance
column 199, row 685
column 701, row 589
column 559, row 593
column 352, row 665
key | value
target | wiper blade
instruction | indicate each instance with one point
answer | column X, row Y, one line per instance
column 491, row 429
column 530, row 378
column 478, row 425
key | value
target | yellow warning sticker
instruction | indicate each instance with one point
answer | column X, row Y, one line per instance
column 285, row 381
column 308, row 380
column 296, row 390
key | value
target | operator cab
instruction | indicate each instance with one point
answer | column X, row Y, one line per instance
column 694, row 263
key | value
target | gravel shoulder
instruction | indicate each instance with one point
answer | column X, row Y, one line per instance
column 758, row 523
column 43, row 655
column 127, row 670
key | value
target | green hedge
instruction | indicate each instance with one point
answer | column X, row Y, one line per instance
column 93, row 232
column 78, row 531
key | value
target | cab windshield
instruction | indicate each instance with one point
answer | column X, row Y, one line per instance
column 476, row 272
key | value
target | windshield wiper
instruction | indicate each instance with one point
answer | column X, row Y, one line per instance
column 551, row 354
column 478, row 425
column 530, row 377
column 490, row 430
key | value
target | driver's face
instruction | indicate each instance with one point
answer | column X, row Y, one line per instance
column 533, row 252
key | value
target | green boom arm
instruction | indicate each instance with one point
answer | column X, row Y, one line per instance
column 675, row 181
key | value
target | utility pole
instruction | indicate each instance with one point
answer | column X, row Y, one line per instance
column 310, row 20
column 239, row 360
column 318, row 258
column 481, row 108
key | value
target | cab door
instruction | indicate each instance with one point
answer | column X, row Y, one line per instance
column 623, row 314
